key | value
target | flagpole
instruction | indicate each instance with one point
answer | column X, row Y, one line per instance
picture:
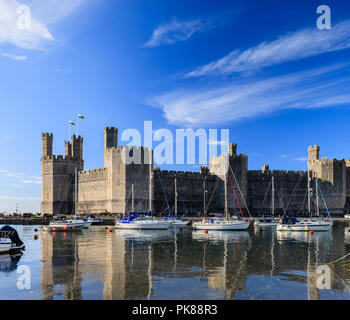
column 77, row 126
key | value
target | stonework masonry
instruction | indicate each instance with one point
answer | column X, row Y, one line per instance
column 109, row 189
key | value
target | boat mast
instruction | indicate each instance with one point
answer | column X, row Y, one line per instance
column 273, row 196
column 132, row 197
column 308, row 192
column 150, row 180
column 317, row 204
column 204, row 196
column 225, row 173
column 75, row 190
column 175, row 196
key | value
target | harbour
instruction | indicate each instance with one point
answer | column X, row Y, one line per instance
column 177, row 264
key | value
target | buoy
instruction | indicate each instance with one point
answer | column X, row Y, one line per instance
column 35, row 230
column 206, row 231
column 110, row 230
column 36, row 237
column 106, row 228
column 311, row 232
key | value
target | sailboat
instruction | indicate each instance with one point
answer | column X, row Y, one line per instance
column 176, row 222
column 311, row 224
column 69, row 224
column 145, row 223
column 269, row 222
column 222, row 224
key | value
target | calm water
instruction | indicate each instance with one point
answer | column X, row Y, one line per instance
column 182, row 264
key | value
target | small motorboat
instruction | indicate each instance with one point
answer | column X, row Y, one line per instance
column 65, row 225
column 92, row 220
column 347, row 216
column 9, row 240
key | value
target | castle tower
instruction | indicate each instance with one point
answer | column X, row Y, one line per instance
column 232, row 149
column 67, row 149
column 77, row 147
column 46, row 140
column 111, row 137
column 314, row 153
column 57, row 173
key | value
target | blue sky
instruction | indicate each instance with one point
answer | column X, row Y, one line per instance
column 259, row 68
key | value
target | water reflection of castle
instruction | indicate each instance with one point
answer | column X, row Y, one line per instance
column 127, row 265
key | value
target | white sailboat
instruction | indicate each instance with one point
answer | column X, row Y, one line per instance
column 136, row 223
column 221, row 224
column 269, row 222
column 69, row 224
column 310, row 224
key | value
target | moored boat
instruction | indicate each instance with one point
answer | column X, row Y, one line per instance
column 9, row 240
column 290, row 223
column 65, row 226
column 133, row 222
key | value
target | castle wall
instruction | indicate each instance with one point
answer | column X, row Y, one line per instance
column 92, row 190
column 290, row 191
column 190, row 190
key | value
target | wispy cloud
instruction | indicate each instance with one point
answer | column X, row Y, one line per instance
column 14, row 57
column 42, row 14
column 290, row 47
column 239, row 100
column 31, row 181
column 303, row 159
column 174, row 31
column 6, row 197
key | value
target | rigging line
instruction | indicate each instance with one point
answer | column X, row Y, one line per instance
column 166, row 199
column 294, row 190
column 325, row 204
column 235, row 194
column 137, row 176
column 82, row 190
column 239, row 189
column 268, row 188
column 211, row 196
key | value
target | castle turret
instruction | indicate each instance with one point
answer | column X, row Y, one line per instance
column 111, row 137
column 46, row 140
column 232, row 149
column 68, row 149
column 314, row 153
column 77, row 147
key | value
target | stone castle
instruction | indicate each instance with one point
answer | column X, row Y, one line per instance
column 121, row 187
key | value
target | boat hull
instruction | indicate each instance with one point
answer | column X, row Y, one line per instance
column 5, row 245
column 304, row 227
column 64, row 228
column 265, row 224
column 220, row 226
column 143, row 226
column 180, row 223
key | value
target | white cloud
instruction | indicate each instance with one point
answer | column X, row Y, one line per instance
column 31, row 181
column 6, row 197
column 14, row 57
column 42, row 12
column 24, row 38
column 174, row 31
column 293, row 46
column 240, row 99
column 301, row 159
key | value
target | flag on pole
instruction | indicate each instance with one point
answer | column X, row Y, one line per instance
column 81, row 116
column 72, row 123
